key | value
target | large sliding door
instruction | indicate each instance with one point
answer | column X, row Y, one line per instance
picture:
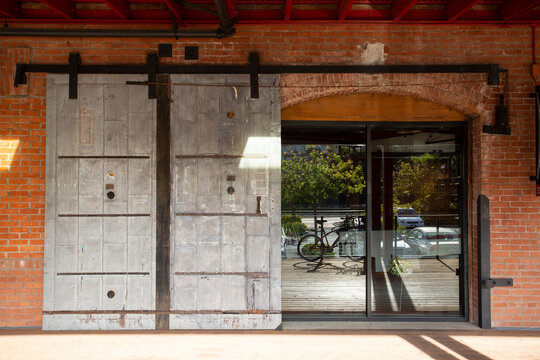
column 100, row 205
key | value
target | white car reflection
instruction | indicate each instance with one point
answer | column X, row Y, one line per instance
column 434, row 241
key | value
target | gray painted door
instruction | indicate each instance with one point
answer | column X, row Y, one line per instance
column 100, row 205
column 225, row 247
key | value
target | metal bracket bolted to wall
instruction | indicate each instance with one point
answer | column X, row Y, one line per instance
column 254, row 74
column 74, row 61
column 501, row 282
column 152, row 64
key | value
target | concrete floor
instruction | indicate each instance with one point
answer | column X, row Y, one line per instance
column 282, row 345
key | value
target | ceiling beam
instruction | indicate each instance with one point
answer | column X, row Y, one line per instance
column 9, row 8
column 344, row 8
column 401, row 8
column 66, row 8
column 176, row 9
column 288, row 9
column 231, row 6
column 120, row 7
column 515, row 8
column 456, row 8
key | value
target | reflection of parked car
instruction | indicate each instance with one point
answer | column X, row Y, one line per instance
column 408, row 218
column 434, row 241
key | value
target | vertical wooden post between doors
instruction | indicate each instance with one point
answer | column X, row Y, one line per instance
column 163, row 202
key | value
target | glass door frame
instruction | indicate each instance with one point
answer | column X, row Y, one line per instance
column 464, row 203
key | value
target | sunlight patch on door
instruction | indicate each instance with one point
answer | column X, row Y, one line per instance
column 260, row 153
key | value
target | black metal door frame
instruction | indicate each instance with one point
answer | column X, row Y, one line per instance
column 463, row 212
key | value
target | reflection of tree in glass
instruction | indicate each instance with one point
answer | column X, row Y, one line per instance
column 313, row 176
column 427, row 183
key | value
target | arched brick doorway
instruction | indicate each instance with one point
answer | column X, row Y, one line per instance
column 465, row 94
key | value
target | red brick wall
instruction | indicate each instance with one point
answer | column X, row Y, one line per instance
column 22, row 194
column 501, row 165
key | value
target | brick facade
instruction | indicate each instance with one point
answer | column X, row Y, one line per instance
column 500, row 165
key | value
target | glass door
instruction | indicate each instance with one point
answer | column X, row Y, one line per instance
column 372, row 219
column 416, row 239
column 323, row 186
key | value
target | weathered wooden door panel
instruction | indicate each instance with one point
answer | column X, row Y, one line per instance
column 225, row 245
column 100, row 267
column 100, row 217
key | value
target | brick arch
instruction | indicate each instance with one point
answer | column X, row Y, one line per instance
column 467, row 93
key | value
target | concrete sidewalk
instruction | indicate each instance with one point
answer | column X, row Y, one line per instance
column 282, row 345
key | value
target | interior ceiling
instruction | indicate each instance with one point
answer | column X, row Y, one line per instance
column 493, row 12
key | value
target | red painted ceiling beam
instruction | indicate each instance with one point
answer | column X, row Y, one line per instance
column 401, row 7
column 66, row 8
column 456, row 8
column 176, row 9
column 288, row 9
column 512, row 9
column 231, row 6
column 120, row 7
column 344, row 8
column 9, row 8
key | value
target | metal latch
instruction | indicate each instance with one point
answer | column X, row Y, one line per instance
column 491, row 283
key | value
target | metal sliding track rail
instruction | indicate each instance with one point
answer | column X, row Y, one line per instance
column 253, row 68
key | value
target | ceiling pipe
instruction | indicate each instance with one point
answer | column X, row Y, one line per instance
column 225, row 23
column 226, row 29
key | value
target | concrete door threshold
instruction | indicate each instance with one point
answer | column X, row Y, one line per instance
column 379, row 325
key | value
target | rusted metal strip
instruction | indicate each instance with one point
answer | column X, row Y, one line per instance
column 102, row 215
column 104, row 157
column 103, row 273
column 159, row 312
column 221, row 214
column 218, row 156
column 246, row 274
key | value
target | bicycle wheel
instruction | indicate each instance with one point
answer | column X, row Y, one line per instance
column 310, row 247
column 350, row 248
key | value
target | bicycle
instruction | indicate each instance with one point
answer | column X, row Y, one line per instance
column 312, row 247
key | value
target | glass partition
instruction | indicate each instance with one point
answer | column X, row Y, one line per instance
column 323, row 184
column 415, row 263
column 416, row 238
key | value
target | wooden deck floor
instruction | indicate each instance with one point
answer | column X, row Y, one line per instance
column 428, row 286
column 275, row 345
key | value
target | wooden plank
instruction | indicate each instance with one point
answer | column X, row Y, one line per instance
column 340, row 286
column 456, row 8
column 370, row 107
column 231, row 7
column 511, row 10
column 66, row 8
column 163, row 202
column 288, row 9
column 119, row 7
column 344, row 8
column 9, row 8
column 176, row 9
column 401, row 8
